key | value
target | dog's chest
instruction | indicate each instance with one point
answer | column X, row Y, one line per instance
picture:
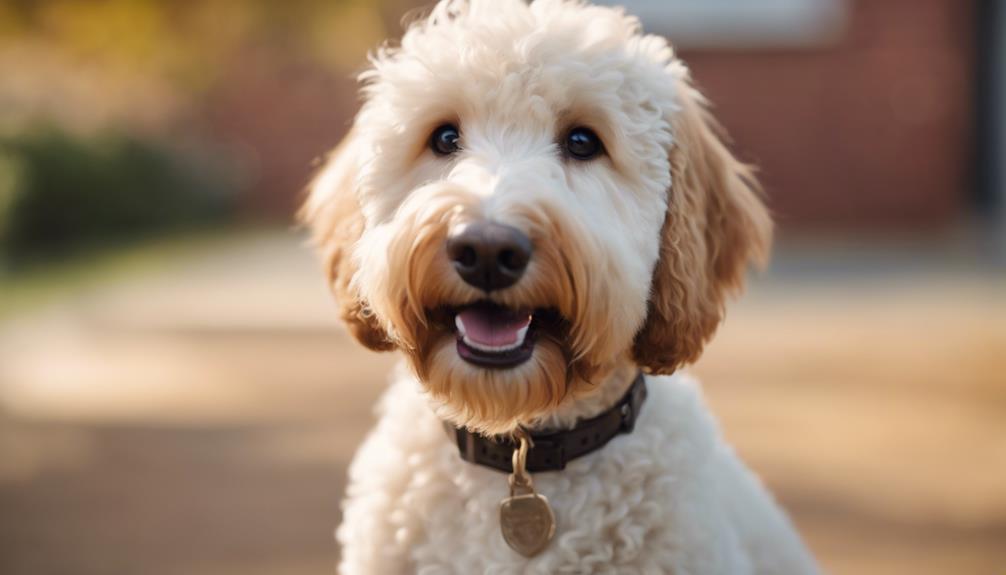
column 415, row 506
column 609, row 511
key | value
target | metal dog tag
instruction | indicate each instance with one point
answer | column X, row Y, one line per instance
column 527, row 522
column 526, row 519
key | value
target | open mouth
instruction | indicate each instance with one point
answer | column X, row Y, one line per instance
column 489, row 335
column 494, row 336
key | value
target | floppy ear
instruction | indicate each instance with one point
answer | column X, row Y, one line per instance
column 333, row 213
column 715, row 226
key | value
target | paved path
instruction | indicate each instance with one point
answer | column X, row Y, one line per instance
column 198, row 419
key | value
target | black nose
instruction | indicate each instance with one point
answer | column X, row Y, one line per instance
column 488, row 255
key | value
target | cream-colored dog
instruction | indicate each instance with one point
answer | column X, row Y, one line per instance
column 533, row 205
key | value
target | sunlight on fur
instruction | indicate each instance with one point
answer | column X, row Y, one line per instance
column 635, row 250
column 533, row 205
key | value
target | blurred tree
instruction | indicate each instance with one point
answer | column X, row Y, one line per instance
column 189, row 40
column 266, row 81
column 61, row 195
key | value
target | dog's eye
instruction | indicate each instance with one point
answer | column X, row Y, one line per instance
column 444, row 140
column 583, row 144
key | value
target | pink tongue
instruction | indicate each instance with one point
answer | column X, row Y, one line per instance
column 493, row 327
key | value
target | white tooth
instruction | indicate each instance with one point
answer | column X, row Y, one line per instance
column 459, row 324
column 522, row 333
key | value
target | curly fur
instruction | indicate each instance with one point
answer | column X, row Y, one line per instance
column 670, row 497
column 636, row 251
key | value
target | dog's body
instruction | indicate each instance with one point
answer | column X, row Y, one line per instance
column 671, row 497
column 533, row 205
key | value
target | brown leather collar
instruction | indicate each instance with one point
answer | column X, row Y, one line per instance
column 553, row 450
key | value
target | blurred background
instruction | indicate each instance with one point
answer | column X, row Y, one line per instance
column 176, row 395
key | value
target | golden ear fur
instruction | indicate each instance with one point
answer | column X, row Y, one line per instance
column 716, row 225
column 333, row 213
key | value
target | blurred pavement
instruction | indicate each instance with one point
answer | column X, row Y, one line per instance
column 199, row 419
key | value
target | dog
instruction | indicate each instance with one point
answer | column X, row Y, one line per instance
column 535, row 206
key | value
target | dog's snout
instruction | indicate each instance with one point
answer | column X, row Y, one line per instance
column 489, row 255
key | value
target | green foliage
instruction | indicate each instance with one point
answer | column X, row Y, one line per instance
column 192, row 41
column 61, row 195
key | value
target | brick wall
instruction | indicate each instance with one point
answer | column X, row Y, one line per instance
column 873, row 131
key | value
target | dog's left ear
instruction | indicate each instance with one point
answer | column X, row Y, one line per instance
column 716, row 225
column 332, row 211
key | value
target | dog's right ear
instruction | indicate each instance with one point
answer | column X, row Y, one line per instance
column 332, row 211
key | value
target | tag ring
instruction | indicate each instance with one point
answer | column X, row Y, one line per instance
column 520, row 478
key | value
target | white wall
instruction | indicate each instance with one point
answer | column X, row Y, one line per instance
column 740, row 23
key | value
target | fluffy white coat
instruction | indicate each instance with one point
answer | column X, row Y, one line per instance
column 635, row 250
column 671, row 497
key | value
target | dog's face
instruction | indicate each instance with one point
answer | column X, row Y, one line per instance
column 530, row 197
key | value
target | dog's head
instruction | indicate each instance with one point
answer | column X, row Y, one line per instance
column 531, row 196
